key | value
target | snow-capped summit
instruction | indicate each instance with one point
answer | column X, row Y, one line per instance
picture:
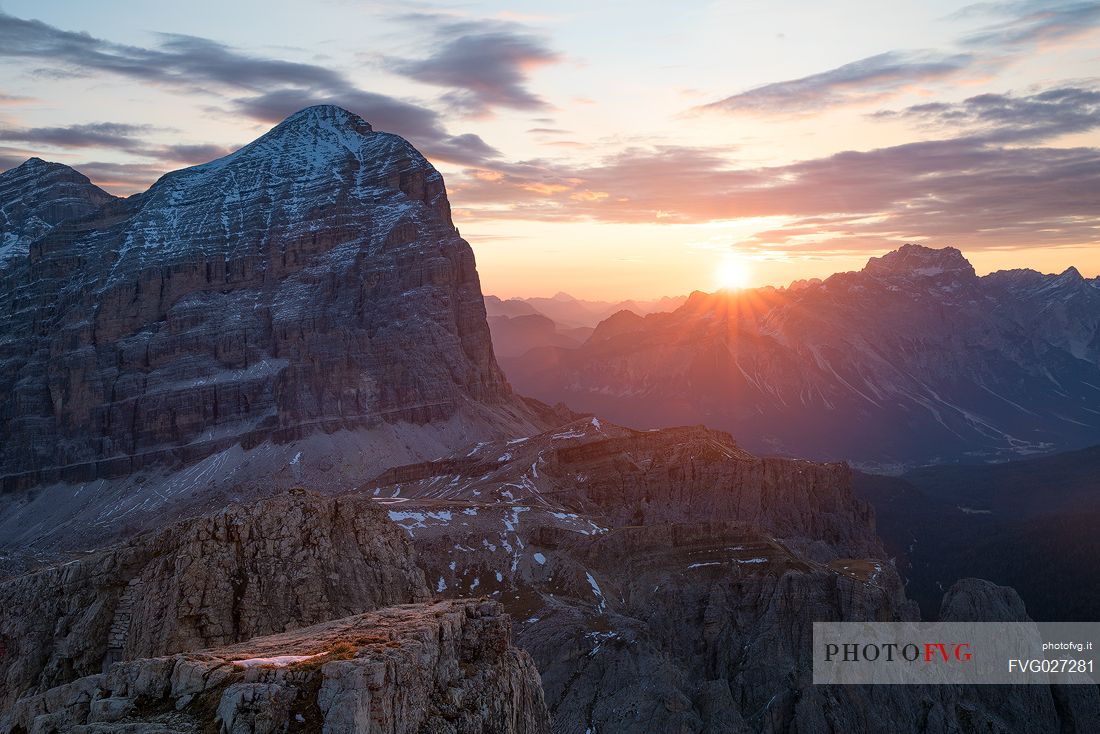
column 309, row 139
column 326, row 115
column 322, row 169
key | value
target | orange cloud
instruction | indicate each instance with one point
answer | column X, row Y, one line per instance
column 544, row 189
column 589, row 196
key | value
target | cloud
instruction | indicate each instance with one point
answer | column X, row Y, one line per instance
column 960, row 190
column 964, row 189
column 262, row 88
column 483, row 70
column 120, row 179
column 1032, row 21
column 1024, row 23
column 866, row 80
column 114, row 136
column 1006, row 118
column 90, row 135
column 180, row 60
column 194, row 153
column 484, row 64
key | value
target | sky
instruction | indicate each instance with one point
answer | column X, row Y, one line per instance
column 619, row 149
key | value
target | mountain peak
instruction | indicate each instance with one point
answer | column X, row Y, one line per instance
column 320, row 222
column 1071, row 274
column 322, row 146
column 37, row 195
column 912, row 260
column 34, row 171
column 310, row 138
column 35, row 165
column 620, row 322
column 327, row 115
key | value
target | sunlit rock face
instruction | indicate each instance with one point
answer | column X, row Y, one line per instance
column 914, row 359
column 446, row 667
column 248, row 570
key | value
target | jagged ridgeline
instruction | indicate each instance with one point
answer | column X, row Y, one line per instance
column 914, row 359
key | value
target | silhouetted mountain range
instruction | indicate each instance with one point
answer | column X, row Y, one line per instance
column 519, row 325
column 570, row 312
column 914, row 359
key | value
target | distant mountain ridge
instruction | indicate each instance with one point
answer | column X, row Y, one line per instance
column 519, row 325
column 914, row 359
column 573, row 312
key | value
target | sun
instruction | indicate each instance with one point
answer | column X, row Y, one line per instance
column 732, row 273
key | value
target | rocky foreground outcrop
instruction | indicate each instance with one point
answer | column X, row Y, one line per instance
column 446, row 668
column 250, row 570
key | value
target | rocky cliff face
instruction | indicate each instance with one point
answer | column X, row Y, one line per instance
column 311, row 283
column 628, row 477
column 446, row 667
column 290, row 561
column 37, row 196
column 912, row 360
column 668, row 581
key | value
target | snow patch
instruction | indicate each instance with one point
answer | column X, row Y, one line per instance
column 602, row 606
column 567, row 434
column 409, row 519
